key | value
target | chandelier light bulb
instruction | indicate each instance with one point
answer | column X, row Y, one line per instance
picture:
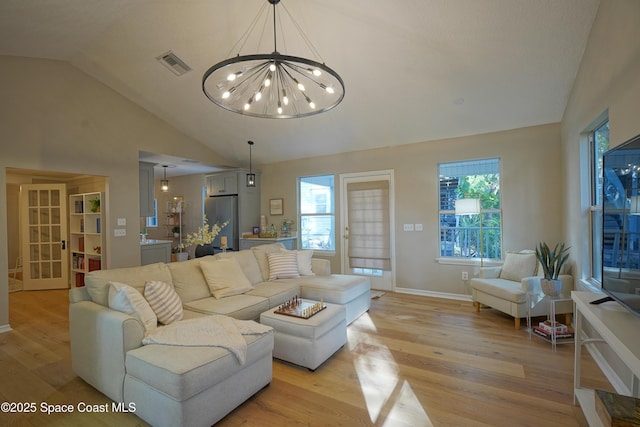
column 330, row 90
column 258, row 96
column 317, row 72
column 267, row 82
column 226, row 94
column 231, row 77
column 272, row 67
column 247, row 106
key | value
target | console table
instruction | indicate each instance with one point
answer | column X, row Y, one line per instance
column 619, row 329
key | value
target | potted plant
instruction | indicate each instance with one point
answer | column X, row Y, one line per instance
column 552, row 262
column 176, row 231
column 204, row 237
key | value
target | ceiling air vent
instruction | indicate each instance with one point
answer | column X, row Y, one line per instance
column 172, row 62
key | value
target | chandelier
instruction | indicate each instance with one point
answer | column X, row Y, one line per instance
column 273, row 85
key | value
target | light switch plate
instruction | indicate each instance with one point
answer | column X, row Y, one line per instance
column 418, row 227
column 122, row 222
column 119, row 232
column 408, row 227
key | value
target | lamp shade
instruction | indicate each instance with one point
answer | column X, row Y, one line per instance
column 467, row 206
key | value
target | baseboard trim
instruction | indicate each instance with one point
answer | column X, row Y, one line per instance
column 5, row 328
column 443, row 295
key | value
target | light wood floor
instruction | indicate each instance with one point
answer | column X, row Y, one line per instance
column 411, row 361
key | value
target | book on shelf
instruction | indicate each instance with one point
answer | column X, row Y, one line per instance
column 79, row 207
column 81, row 244
column 94, row 264
column 547, row 325
column 79, row 279
column 548, row 334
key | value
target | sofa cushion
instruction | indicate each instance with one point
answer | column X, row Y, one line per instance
column 183, row 372
column 243, row 307
column 304, row 261
column 508, row 290
column 337, row 288
column 283, row 265
column 97, row 281
column 164, row 301
column 518, row 265
column 225, row 277
column 128, row 300
column 261, row 253
column 277, row 291
column 188, row 280
column 248, row 263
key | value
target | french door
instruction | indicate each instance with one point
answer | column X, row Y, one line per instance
column 43, row 230
column 367, row 204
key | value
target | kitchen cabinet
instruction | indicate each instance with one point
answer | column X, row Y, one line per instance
column 152, row 251
column 146, row 176
column 222, row 184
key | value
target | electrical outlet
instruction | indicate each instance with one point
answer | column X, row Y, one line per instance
column 408, row 227
column 119, row 232
column 465, row 275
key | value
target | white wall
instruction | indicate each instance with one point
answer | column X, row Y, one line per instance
column 55, row 118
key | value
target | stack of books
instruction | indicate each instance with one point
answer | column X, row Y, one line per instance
column 545, row 329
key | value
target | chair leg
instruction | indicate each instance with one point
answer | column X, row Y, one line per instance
column 517, row 322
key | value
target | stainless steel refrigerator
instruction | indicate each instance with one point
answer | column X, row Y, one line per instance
column 218, row 210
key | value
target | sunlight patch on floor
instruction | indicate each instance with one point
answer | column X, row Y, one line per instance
column 390, row 400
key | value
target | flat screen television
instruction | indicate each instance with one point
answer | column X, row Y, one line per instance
column 621, row 224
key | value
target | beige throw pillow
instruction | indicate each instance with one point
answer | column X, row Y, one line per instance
column 304, row 261
column 225, row 277
column 164, row 301
column 128, row 300
column 518, row 265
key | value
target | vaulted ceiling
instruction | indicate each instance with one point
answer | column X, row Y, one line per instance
column 414, row 70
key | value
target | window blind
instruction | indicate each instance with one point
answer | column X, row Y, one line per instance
column 369, row 238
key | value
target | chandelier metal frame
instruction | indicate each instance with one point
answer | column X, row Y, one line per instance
column 273, row 85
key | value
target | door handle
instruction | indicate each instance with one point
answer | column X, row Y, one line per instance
column 64, row 245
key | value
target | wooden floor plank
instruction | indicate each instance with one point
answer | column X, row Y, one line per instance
column 410, row 361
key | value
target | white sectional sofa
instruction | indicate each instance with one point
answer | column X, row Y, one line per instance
column 174, row 385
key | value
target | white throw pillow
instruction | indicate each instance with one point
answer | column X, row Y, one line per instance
column 261, row 253
column 304, row 261
column 518, row 265
column 164, row 301
column 225, row 277
column 283, row 265
column 128, row 300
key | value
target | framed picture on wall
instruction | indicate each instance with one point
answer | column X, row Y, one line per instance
column 275, row 207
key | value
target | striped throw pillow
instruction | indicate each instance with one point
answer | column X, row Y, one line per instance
column 283, row 265
column 164, row 301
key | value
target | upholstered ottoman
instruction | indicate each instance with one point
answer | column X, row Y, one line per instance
column 307, row 342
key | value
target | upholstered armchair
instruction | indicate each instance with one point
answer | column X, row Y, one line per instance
column 505, row 288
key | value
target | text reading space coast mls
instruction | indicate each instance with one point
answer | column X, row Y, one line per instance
column 58, row 408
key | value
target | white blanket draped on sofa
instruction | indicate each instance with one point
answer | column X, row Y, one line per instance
column 215, row 331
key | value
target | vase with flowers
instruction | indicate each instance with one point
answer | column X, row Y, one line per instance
column 203, row 237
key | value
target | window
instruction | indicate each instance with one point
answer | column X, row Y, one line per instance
column 464, row 236
column 152, row 221
column 598, row 144
column 317, row 212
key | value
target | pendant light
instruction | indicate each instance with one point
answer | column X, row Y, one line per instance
column 273, row 85
column 164, row 183
column 251, row 177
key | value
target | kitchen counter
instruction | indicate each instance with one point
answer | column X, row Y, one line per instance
column 154, row 242
column 248, row 242
column 152, row 251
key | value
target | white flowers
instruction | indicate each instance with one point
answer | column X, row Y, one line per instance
column 205, row 234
